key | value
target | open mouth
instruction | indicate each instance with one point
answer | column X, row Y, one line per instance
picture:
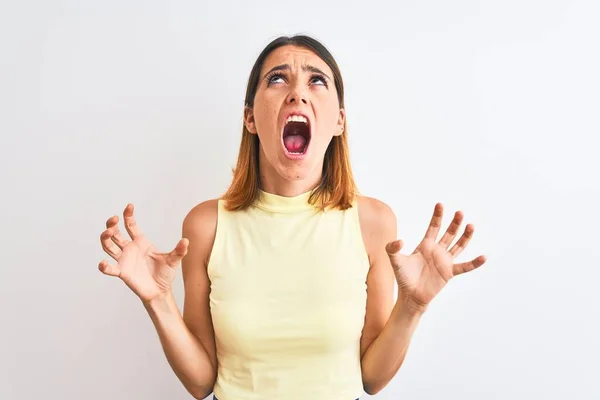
column 296, row 135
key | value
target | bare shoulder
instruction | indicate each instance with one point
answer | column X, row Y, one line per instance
column 205, row 211
column 377, row 220
column 200, row 226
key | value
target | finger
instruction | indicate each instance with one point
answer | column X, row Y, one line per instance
column 117, row 236
column 393, row 251
column 130, row 224
column 461, row 268
column 180, row 250
column 394, row 247
column 108, row 245
column 452, row 229
column 109, row 269
column 463, row 241
column 436, row 222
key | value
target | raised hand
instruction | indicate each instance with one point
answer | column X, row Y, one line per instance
column 424, row 273
column 146, row 271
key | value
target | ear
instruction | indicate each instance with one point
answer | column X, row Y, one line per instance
column 249, row 120
column 340, row 123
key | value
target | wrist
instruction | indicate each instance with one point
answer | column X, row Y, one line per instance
column 161, row 302
column 409, row 305
column 406, row 313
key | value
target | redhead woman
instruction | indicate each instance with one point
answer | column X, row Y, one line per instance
column 289, row 276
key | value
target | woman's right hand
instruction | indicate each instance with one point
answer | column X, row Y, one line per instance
column 147, row 272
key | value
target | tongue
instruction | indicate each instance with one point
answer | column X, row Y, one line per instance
column 294, row 143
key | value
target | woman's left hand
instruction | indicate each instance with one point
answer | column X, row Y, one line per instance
column 424, row 273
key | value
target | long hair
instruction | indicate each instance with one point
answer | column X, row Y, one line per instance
column 337, row 188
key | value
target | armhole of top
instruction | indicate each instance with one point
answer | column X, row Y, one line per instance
column 362, row 250
column 215, row 253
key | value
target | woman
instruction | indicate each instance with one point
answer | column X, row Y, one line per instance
column 289, row 276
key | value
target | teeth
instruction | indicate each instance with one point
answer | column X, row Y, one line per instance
column 297, row 118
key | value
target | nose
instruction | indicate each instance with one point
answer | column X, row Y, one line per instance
column 297, row 96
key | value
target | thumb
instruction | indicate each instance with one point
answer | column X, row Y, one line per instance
column 180, row 250
column 393, row 248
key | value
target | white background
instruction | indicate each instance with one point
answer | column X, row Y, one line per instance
column 490, row 107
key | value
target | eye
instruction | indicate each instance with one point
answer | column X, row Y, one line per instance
column 275, row 78
column 319, row 79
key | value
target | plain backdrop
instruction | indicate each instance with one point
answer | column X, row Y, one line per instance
column 490, row 107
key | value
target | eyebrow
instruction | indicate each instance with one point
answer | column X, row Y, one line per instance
column 286, row 67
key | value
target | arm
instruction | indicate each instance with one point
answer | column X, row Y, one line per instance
column 388, row 326
column 188, row 340
column 420, row 277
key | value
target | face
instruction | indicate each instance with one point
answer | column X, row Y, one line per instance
column 296, row 113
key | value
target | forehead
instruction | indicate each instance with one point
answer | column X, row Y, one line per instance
column 296, row 57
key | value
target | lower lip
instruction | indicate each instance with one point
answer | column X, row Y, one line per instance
column 295, row 156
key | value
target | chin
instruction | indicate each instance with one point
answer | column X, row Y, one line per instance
column 295, row 170
column 307, row 165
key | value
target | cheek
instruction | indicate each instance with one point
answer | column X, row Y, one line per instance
column 265, row 115
column 330, row 113
column 263, row 119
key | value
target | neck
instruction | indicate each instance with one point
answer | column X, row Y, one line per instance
column 271, row 181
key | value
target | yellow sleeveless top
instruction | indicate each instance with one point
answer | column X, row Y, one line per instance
column 288, row 299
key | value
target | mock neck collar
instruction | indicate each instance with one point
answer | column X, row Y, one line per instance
column 283, row 204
